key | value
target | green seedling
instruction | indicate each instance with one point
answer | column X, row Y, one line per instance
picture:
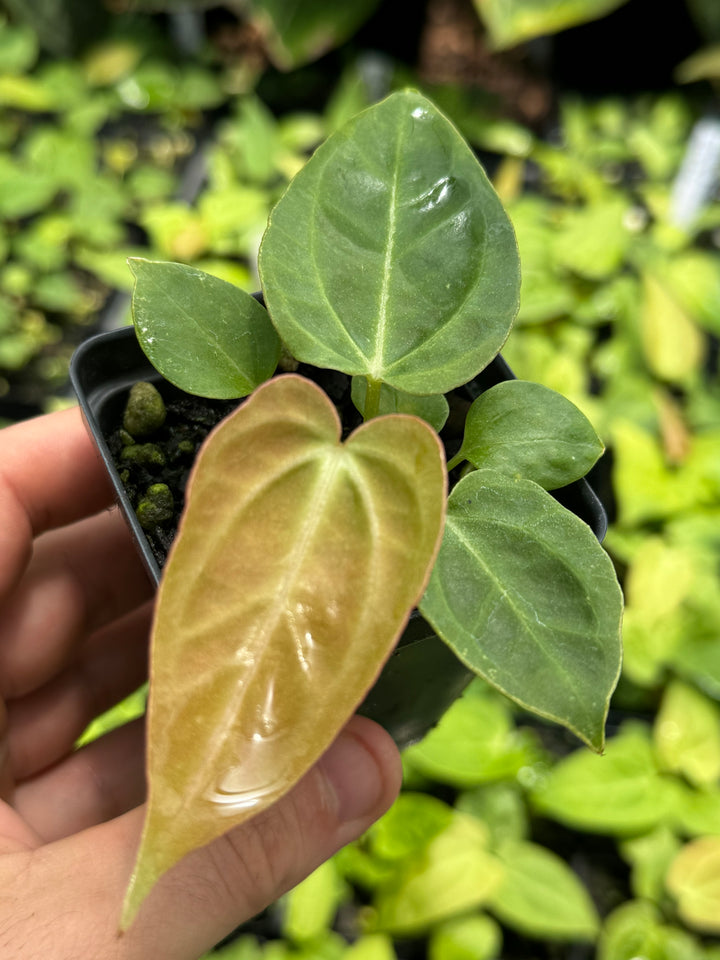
column 302, row 551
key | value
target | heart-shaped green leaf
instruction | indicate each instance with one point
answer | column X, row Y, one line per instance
column 390, row 255
column 295, row 568
column 434, row 410
column 528, row 599
column 524, row 429
column 183, row 314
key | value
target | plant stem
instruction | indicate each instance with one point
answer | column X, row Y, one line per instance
column 372, row 398
column 458, row 458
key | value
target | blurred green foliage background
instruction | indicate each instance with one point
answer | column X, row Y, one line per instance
column 170, row 129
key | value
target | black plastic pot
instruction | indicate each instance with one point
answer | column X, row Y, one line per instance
column 423, row 677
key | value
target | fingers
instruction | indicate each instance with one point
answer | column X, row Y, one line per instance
column 45, row 724
column 214, row 889
column 80, row 578
column 7, row 781
column 95, row 784
column 232, row 879
column 50, row 476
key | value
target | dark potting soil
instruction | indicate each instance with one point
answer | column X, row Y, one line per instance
column 169, row 455
column 170, row 451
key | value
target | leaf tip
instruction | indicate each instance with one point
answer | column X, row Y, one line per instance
column 134, row 264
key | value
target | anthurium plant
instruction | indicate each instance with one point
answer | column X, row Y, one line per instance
column 306, row 542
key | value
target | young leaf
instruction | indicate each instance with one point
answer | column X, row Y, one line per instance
column 294, row 570
column 296, row 33
column 540, row 896
column 694, row 881
column 620, row 793
column 475, row 937
column 434, row 410
column 454, row 873
column 390, row 255
column 180, row 313
column 687, row 734
column 528, row 599
column 649, row 856
column 510, row 22
column 524, row 429
column 474, row 742
column 637, row 929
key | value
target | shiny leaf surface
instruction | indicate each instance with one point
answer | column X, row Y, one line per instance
column 203, row 334
column 528, row 599
column 295, row 568
column 390, row 255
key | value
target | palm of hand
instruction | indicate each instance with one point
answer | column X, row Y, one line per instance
column 73, row 639
column 74, row 623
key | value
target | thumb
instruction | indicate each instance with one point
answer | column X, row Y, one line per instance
column 214, row 889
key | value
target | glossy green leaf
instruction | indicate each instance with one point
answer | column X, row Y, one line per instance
column 513, row 21
column 18, row 48
column 475, row 937
column 501, row 807
column 373, row 946
column 697, row 812
column 434, row 410
column 704, row 64
column 22, row 191
column 528, row 599
column 181, row 313
column 310, row 907
column 302, row 31
column 409, row 826
column 694, row 880
column 620, row 793
column 390, row 255
column 474, row 742
column 693, row 279
column 524, row 429
column 687, row 734
column 540, row 895
column 650, row 855
column 331, row 543
column 673, row 345
column 592, row 241
column 636, row 930
column 454, row 873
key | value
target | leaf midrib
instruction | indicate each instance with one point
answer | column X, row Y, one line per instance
column 377, row 361
column 520, row 615
column 320, row 497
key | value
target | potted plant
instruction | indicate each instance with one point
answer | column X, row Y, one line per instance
column 313, row 526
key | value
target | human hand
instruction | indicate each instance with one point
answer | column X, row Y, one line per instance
column 75, row 609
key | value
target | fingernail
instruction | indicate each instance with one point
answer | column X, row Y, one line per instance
column 354, row 775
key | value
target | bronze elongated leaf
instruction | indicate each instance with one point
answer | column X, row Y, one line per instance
column 297, row 563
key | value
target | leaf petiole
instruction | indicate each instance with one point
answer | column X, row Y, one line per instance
column 372, row 398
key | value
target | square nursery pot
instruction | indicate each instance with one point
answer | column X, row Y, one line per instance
column 423, row 676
